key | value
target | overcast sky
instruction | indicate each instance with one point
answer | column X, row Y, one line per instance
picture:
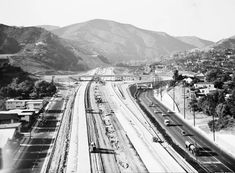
column 208, row 19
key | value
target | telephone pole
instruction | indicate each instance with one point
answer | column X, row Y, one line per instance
column 213, row 130
column 184, row 100
column 174, row 98
column 193, row 117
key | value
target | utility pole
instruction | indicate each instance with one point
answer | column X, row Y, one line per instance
column 193, row 117
column 161, row 92
column 174, row 98
column 213, row 130
column 184, row 100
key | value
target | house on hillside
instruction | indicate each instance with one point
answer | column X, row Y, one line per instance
column 201, row 77
column 205, row 87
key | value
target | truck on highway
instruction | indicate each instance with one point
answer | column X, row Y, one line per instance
column 191, row 147
column 92, row 147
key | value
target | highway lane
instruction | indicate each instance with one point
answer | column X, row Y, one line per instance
column 210, row 160
column 126, row 156
column 155, row 158
column 104, row 151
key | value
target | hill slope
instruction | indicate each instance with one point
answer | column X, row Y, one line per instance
column 195, row 41
column 48, row 27
column 36, row 49
column 228, row 43
column 121, row 42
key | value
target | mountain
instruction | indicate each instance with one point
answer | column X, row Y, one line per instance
column 121, row 42
column 228, row 43
column 36, row 50
column 195, row 41
column 48, row 27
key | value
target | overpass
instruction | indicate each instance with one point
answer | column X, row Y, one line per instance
column 111, row 77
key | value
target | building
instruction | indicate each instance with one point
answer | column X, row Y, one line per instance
column 188, row 80
column 23, row 115
column 15, row 104
column 7, row 117
column 34, row 104
column 24, row 104
column 205, row 87
column 201, row 77
column 7, row 136
column 16, row 126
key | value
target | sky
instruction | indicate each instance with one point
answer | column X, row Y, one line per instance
column 208, row 19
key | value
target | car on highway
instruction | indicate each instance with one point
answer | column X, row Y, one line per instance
column 157, row 112
column 92, row 147
column 152, row 105
column 183, row 133
column 167, row 122
column 155, row 139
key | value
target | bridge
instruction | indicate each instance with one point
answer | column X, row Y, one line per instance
column 111, row 77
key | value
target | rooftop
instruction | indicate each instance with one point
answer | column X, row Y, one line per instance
column 6, row 134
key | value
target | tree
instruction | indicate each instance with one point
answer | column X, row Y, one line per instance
column 218, row 84
column 176, row 75
column 231, row 103
column 213, row 75
column 43, row 88
column 221, row 110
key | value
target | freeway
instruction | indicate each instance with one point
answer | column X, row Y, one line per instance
column 210, row 158
column 153, row 155
column 103, row 157
column 122, row 155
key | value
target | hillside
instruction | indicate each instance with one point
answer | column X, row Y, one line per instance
column 220, row 55
column 121, row 42
column 195, row 41
column 48, row 27
column 36, row 50
column 228, row 43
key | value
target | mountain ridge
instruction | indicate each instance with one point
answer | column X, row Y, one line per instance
column 48, row 27
column 36, row 49
column 195, row 41
column 120, row 42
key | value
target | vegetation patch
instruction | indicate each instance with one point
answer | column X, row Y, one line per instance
column 15, row 83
